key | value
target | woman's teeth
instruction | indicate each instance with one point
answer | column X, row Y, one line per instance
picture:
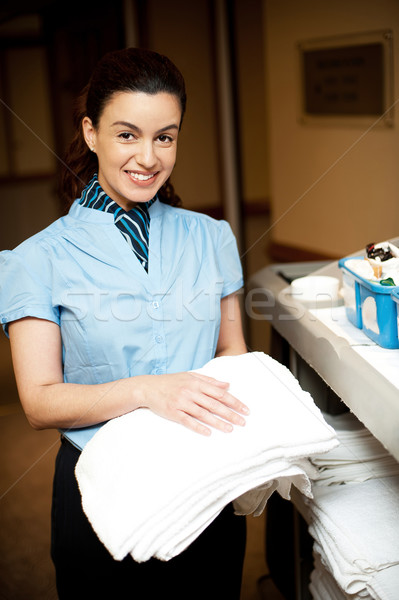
column 140, row 176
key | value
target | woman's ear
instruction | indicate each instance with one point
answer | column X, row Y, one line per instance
column 89, row 133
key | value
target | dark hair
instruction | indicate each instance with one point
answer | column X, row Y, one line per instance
column 128, row 70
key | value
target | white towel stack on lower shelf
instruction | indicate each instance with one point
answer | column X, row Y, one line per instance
column 355, row 525
column 323, row 585
column 149, row 486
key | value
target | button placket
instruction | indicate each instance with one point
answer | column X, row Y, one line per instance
column 156, row 311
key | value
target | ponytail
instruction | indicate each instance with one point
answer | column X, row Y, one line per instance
column 79, row 163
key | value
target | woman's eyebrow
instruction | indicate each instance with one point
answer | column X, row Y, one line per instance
column 135, row 128
column 127, row 124
column 172, row 126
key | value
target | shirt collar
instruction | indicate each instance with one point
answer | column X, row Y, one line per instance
column 93, row 196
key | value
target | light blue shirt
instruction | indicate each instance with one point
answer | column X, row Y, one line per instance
column 116, row 319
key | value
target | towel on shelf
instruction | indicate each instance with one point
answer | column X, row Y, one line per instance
column 150, row 486
column 359, row 456
column 323, row 586
column 356, row 530
column 384, row 585
column 356, row 473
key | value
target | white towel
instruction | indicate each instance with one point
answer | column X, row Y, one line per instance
column 150, row 486
column 359, row 456
column 324, row 587
column 384, row 585
column 357, row 472
column 356, row 529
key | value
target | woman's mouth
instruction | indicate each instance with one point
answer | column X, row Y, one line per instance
column 142, row 177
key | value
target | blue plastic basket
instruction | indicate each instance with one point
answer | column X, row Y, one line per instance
column 370, row 306
column 395, row 298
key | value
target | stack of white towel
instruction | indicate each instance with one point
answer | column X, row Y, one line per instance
column 355, row 524
column 323, row 585
column 359, row 456
column 382, row 584
column 149, row 486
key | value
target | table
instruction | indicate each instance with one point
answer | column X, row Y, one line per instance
column 342, row 369
column 361, row 373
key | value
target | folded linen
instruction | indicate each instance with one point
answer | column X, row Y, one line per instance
column 356, row 530
column 384, row 585
column 150, row 486
column 323, row 585
column 359, row 456
column 165, row 542
column 357, row 472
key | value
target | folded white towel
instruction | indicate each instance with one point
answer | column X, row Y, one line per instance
column 324, row 587
column 356, row 529
column 384, row 585
column 356, row 442
column 150, row 486
column 357, row 472
column 359, row 456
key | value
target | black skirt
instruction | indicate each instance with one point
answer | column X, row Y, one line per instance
column 211, row 567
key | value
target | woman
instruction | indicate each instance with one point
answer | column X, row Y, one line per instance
column 103, row 320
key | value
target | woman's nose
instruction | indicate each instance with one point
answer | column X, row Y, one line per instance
column 145, row 155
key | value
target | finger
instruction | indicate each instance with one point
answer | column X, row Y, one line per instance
column 212, row 411
column 199, row 418
column 223, row 396
column 211, row 380
column 221, row 410
column 235, row 404
column 194, row 425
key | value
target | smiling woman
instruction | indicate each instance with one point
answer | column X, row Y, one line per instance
column 135, row 161
column 132, row 70
column 112, row 307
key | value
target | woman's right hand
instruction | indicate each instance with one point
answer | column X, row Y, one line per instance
column 194, row 400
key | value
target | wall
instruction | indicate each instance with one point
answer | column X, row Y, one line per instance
column 46, row 56
column 252, row 102
column 333, row 189
column 27, row 206
column 188, row 39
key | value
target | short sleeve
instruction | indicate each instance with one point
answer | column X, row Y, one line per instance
column 23, row 293
column 229, row 260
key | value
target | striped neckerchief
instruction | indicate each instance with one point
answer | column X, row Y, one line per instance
column 134, row 224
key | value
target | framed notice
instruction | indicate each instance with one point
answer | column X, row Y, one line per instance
column 347, row 79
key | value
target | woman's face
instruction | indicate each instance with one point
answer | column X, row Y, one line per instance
column 135, row 143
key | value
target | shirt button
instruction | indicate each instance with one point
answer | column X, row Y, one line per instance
column 155, row 304
column 159, row 339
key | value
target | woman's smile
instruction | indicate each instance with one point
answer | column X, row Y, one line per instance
column 142, row 179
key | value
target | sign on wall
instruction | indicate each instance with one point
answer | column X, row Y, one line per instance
column 347, row 78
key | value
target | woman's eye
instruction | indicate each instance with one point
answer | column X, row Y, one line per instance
column 126, row 135
column 165, row 139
